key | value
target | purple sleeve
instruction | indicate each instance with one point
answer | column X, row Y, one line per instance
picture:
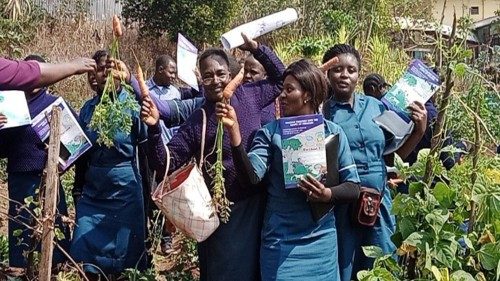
column 268, row 90
column 182, row 146
column 18, row 75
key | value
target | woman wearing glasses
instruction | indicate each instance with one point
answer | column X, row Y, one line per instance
column 232, row 251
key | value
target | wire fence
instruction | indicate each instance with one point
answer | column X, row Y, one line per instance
column 92, row 9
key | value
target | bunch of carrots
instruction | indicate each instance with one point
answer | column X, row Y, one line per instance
column 112, row 116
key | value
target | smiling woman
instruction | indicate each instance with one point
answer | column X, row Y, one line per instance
column 293, row 245
column 232, row 251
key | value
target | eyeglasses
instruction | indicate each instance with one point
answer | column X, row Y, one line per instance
column 210, row 80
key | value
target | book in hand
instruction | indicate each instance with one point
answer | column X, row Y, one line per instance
column 74, row 142
column 14, row 106
column 320, row 209
column 418, row 83
column 303, row 147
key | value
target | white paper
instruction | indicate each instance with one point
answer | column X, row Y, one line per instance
column 73, row 139
column 187, row 56
column 14, row 106
column 256, row 28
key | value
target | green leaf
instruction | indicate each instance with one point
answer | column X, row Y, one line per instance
column 17, row 232
column 489, row 255
column 444, row 195
column 445, row 252
column 407, row 226
column 461, row 275
column 437, row 219
column 59, row 234
column 373, row 251
column 460, row 69
column 418, row 239
column 467, row 242
column 415, row 187
column 28, row 200
column 498, row 271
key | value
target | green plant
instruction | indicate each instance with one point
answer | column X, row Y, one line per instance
column 4, row 249
column 202, row 21
column 133, row 274
column 184, row 259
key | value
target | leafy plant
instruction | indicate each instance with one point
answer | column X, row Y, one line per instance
column 184, row 259
column 113, row 116
column 202, row 21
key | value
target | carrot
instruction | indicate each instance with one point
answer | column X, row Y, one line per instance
column 329, row 64
column 117, row 27
column 232, row 85
column 142, row 83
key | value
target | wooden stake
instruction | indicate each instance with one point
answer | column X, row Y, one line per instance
column 51, row 190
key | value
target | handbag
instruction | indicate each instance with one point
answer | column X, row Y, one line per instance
column 184, row 199
column 366, row 208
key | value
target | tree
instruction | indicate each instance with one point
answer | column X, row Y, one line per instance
column 203, row 21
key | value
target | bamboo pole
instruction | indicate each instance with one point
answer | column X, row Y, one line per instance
column 51, row 189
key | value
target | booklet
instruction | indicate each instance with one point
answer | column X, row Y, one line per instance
column 14, row 106
column 303, row 147
column 418, row 83
column 320, row 209
column 187, row 56
column 74, row 142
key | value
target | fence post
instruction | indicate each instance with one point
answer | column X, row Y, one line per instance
column 51, row 192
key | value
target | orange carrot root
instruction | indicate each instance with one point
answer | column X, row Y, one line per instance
column 232, row 85
column 117, row 27
column 329, row 64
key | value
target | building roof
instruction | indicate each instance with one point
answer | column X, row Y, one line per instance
column 486, row 21
column 423, row 25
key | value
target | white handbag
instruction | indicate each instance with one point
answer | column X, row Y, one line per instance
column 184, row 199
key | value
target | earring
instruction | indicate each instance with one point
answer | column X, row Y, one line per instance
column 305, row 101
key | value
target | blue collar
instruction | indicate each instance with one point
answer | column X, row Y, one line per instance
column 359, row 103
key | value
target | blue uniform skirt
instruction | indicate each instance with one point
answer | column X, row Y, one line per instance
column 231, row 253
column 22, row 185
column 351, row 237
column 295, row 247
column 110, row 231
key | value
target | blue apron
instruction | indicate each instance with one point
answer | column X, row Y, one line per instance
column 294, row 246
column 367, row 142
column 110, row 231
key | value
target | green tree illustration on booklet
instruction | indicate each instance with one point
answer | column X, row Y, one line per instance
column 303, row 147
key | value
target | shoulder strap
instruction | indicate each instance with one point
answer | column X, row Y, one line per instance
column 203, row 134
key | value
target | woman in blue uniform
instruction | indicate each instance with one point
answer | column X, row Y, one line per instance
column 110, row 229
column 293, row 245
column 354, row 112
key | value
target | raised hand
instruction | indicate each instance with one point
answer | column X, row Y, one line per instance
column 149, row 112
column 83, row 65
column 249, row 45
column 419, row 116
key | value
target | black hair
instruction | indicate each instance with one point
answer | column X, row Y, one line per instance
column 163, row 61
column 35, row 58
column 310, row 78
column 374, row 80
column 340, row 49
column 234, row 66
column 216, row 54
column 99, row 54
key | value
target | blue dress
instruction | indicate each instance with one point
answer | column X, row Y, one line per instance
column 293, row 245
column 367, row 142
column 110, row 227
column 26, row 159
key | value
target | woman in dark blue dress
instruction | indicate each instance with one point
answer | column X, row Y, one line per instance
column 109, row 236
